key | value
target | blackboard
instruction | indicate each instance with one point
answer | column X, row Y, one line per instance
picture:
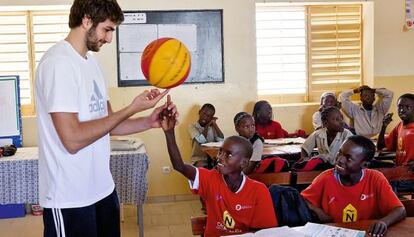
column 200, row 30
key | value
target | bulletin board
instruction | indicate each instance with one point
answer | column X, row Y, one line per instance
column 200, row 30
column 10, row 115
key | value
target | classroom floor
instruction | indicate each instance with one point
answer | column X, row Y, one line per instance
column 168, row 219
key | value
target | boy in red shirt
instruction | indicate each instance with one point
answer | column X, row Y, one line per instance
column 401, row 138
column 235, row 203
column 349, row 193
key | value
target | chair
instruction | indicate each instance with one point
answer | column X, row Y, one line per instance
column 282, row 178
column 409, row 207
column 305, row 177
column 198, row 225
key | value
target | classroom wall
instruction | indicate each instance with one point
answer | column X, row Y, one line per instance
column 393, row 69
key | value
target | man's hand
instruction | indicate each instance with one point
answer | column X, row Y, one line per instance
column 387, row 119
column 378, row 229
column 147, row 100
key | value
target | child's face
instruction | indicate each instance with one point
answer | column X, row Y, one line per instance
column 205, row 116
column 246, row 127
column 230, row 158
column 367, row 97
column 335, row 122
column 328, row 101
column 264, row 115
column 406, row 109
column 350, row 159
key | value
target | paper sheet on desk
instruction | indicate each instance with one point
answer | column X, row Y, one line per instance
column 271, row 232
column 285, row 141
column 318, row 230
column 212, row 144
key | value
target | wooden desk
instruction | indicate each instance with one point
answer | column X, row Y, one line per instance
column 405, row 228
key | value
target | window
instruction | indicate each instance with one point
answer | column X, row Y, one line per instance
column 24, row 37
column 303, row 51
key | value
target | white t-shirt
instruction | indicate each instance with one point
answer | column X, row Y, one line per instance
column 67, row 82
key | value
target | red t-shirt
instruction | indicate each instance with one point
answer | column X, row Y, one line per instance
column 234, row 213
column 272, row 131
column 401, row 140
column 371, row 198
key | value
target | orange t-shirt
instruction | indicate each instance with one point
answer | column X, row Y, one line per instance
column 401, row 140
column 371, row 198
column 234, row 213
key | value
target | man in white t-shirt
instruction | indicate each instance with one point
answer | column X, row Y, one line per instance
column 74, row 121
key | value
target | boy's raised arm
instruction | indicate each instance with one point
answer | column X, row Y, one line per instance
column 168, row 123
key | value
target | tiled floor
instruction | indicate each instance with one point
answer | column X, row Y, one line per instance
column 160, row 220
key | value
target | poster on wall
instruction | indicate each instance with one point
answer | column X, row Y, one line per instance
column 409, row 14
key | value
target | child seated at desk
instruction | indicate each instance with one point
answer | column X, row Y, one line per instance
column 203, row 131
column 349, row 192
column 265, row 126
column 235, row 203
column 328, row 139
column 401, row 138
column 244, row 125
column 328, row 99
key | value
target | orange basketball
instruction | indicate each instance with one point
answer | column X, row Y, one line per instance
column 166, row 63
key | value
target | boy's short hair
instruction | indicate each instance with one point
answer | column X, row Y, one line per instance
column 368, row 147
column 209, row 107
column 97, row 10
column 326, row 111
column 407, row 96
column 239, row 117
column 244, row 143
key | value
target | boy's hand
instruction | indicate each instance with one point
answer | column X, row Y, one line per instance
column 168, row 116
column 159, row 113
column 387, row 119
column 378, row 229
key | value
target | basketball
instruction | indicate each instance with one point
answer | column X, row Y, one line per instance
column 166, row 63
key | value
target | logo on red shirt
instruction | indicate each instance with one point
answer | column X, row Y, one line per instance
column 349, row 214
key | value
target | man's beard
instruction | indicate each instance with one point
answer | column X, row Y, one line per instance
column 91, row 40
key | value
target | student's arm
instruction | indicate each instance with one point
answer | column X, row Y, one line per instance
column 255, row 158
column 347, row 105
column 216, row 128
column 76, row 135
column 308, row 145
column 379, row 227
column 386, row 99
column 168, row 123
column 322, row 216
column 388, row 204
column 381, row 137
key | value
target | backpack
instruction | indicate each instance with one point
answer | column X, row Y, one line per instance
column 272, row 164
column 290, row 207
